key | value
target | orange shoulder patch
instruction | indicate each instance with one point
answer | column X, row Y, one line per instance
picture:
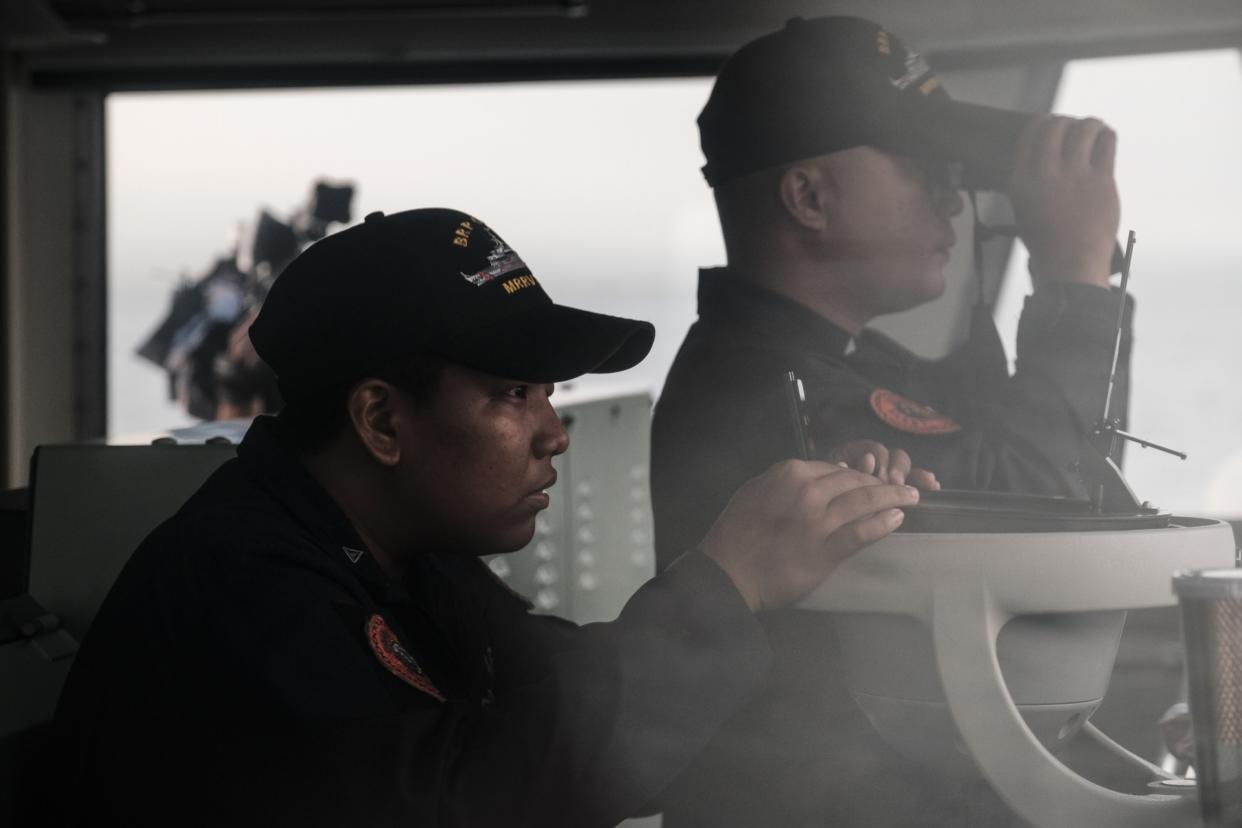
column 396, row 658
column 906, row 415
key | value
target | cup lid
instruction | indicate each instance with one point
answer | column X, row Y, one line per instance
column 1208, row 583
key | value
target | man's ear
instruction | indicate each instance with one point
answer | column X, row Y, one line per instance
column 806, row 191
column 373, row 412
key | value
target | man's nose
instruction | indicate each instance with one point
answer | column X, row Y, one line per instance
column 552, row 438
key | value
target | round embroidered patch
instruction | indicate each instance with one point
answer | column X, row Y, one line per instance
column 906, row 415
column 396, row 658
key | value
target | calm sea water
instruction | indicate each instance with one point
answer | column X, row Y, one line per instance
column 1186, row 383
column 1187, row 388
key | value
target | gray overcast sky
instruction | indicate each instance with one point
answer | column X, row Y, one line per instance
column 596, row 184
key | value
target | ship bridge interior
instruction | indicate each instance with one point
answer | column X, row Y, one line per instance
column 145, row 142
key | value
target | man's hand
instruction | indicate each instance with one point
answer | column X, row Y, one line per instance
column 1065, row 198
column 787, row 529
column 889, row 465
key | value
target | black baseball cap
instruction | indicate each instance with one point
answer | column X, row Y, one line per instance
column 826, row 84
column 432, row 281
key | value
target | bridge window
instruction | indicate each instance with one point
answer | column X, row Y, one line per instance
column 595, row 183
column 1179, row 170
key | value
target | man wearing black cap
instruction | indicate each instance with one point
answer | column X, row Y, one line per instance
column 313, row 640
column 834, row 153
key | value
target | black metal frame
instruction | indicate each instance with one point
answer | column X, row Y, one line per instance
column 95, row 82
column 90, row 272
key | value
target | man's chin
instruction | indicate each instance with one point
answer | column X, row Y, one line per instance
column 513, row 541
column 933, row 292
column 933, row 287
column 501, row 543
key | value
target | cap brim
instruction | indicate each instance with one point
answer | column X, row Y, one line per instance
column 984, row 139
column 553, row 343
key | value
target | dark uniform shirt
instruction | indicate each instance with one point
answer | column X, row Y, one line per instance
column 803, row 754
column 253, row 665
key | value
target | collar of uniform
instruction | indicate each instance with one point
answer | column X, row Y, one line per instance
column 270, row 460
column 744, row 304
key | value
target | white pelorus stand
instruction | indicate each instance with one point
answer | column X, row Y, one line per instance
column 941, row 676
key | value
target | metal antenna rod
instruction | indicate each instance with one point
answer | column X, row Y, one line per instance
column 1125, row 435
column 1106, row 420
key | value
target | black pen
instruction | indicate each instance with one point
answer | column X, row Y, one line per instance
column 795, row 397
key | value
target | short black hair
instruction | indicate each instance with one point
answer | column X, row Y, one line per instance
column 310, row 423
